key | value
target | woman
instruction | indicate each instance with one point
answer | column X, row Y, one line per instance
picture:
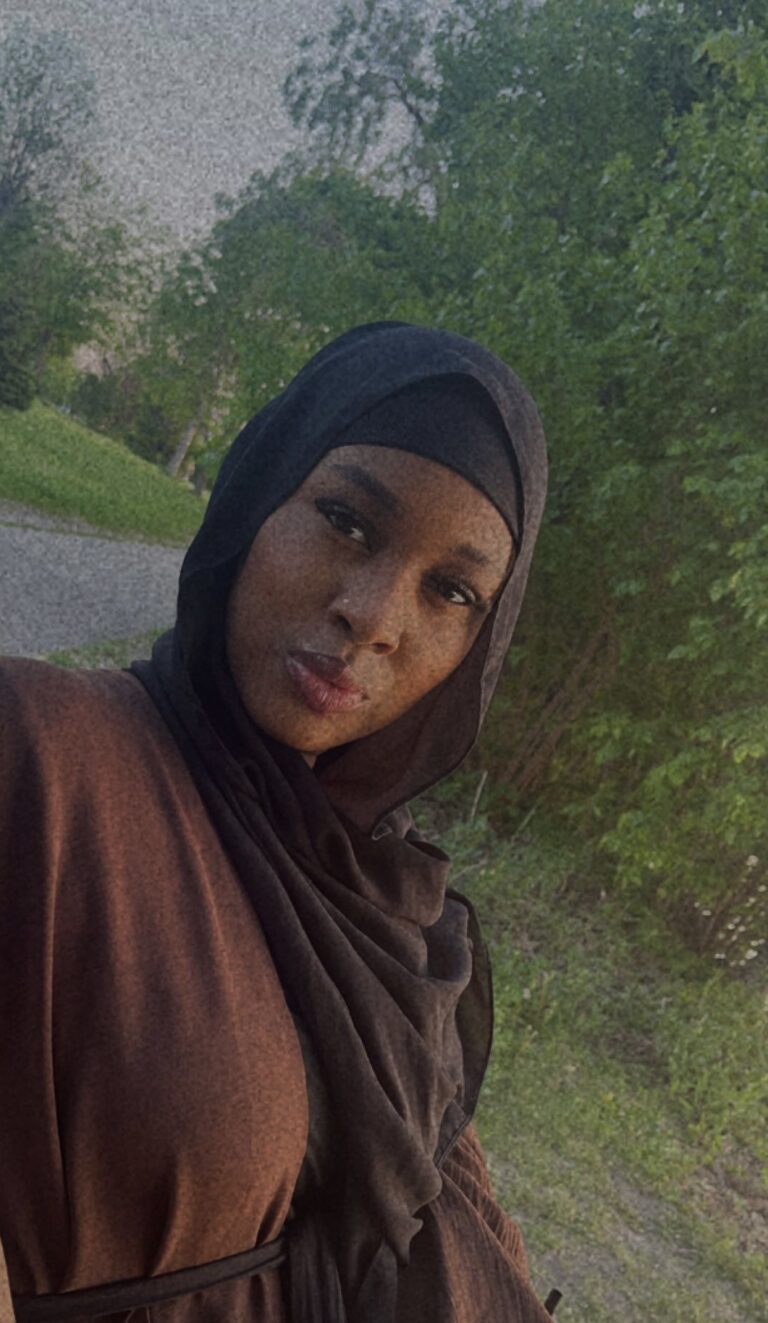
column 245, row 1022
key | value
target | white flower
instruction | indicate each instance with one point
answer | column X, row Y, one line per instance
column 751, row 955
column 752, row 861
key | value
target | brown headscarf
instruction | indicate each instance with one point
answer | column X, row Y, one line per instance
column 384, row 968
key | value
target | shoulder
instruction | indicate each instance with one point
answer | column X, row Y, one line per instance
column 29, row 688
column 37, row 700
column 47, row 708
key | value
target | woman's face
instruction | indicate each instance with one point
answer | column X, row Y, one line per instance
column 381, row 560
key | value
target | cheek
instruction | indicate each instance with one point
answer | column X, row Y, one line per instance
column 275, row 574
column 442, row 651
column 254, row 602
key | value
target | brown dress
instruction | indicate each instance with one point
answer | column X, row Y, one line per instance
column 153, row 1102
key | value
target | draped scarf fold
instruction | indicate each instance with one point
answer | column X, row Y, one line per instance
column 378, row 975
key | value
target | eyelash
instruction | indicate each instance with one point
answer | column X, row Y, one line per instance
column 333, row 510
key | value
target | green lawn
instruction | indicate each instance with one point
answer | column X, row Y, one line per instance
column 60, row 467
column 624, row 1110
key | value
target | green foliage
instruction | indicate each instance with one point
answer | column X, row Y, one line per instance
column 63, row 266
column 58, row 381
column 294, row 259
column 16, row 384
column 118, row 404
column 627, row 168
column 376, row 56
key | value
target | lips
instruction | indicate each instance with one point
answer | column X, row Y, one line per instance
column 325, row 683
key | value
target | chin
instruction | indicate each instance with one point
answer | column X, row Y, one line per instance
column 311, row 744
column 303, row 736
column 310, row 734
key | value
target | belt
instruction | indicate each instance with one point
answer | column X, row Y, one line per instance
column 112, row 1297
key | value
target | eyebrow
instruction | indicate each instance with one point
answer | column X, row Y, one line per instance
column 389, row 502
column 366, row 481
column 466, row 551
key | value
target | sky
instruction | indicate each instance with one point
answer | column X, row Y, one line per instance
column 189, row 91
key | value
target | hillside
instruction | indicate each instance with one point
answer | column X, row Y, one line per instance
column 62, row 468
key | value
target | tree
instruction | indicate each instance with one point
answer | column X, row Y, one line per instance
column 46, row 110
column 592, row 180
column 294, row 258
column 65, row 267
column 376, row 59
column 699, row 266
column 16, row 382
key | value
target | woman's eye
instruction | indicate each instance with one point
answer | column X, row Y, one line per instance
column 346, row 521
column 458, row 594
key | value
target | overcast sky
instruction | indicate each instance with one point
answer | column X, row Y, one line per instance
column 188, row 91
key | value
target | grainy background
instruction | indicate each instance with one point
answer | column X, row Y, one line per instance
column 189, row 91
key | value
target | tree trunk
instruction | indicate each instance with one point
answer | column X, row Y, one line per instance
column 180, row 453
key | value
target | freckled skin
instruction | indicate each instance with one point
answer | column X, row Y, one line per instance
column 333, row 571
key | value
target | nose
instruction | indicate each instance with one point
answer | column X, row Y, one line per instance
column 372, row 609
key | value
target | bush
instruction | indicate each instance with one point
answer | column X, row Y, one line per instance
column 58, row 382
column 17, row 386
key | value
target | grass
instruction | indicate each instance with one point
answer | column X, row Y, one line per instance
column 62, row 468
column 624, row 1110
column 114, row 653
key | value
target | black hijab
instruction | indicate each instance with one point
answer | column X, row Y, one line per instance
column 384, row 969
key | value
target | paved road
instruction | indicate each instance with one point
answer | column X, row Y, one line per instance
column 62, row 586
